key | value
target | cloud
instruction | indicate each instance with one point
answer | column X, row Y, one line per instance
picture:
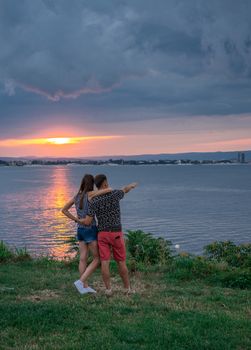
column 116, row 60
column 58, row 51
column 10, row 87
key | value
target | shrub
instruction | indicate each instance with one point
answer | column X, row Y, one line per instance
column 21, row 254
column 73, row 243
column 5, row 252
column 234, row 278
column 234, row 255
column 191, row 267
column 144, row 248
column 188, row 268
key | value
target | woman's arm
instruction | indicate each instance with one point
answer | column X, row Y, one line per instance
column 96, row 193
column 66, row 212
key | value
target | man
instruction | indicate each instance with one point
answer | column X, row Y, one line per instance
column 106, row 208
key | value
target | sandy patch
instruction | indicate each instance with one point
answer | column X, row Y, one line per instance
column 42, row 295
column 144, row 288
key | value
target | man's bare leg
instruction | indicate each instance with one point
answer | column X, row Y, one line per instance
column 105, row 268
column 123, row 271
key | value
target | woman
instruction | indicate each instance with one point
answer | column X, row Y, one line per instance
column 86, row 235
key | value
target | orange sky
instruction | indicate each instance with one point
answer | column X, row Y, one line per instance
column 199, row 134
column 123, row 145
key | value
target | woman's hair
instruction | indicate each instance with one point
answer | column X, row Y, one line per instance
column 87, row 185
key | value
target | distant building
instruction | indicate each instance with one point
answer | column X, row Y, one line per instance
column 241, row 157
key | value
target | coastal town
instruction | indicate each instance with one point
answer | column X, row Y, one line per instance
column 239, row 159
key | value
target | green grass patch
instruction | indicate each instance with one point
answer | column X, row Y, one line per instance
column 44, row 311
column 181, row 302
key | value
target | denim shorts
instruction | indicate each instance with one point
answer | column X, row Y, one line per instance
column 87, row 234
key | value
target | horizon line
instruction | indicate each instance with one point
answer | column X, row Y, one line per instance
column 126, row 155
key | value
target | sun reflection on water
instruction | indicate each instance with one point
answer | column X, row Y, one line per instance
column 61, row 228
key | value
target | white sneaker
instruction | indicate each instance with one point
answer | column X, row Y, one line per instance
column 91, row 290
column 79, row 285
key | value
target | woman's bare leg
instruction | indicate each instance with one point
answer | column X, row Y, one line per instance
column 83, row 250
column 93, row 246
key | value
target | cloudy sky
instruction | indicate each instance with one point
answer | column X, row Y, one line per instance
column 124, row 77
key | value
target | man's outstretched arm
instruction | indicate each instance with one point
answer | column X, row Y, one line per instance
column 129, row 187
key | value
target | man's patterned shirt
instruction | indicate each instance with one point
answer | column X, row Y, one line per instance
column 106, row 208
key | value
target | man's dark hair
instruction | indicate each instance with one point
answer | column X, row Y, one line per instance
column 99, row 179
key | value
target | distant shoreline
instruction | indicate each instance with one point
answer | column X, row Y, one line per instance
column 192, row 158
column 119, row 162
column 120, row 165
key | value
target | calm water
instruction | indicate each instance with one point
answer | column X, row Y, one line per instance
column 189, row 205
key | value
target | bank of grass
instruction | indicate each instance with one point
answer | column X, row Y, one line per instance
column 184, row 302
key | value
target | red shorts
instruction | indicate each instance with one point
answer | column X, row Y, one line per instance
column 111, row 241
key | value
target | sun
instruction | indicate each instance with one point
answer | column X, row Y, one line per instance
column 60, row 140
column 55, row 141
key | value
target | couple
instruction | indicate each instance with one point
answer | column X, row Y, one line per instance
column 99, row 237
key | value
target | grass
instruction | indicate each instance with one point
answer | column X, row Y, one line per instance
column 17, row 254
column 186, row 303
column 43, row 311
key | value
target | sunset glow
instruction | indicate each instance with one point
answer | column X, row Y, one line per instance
column 54, row 140
column 60, row 140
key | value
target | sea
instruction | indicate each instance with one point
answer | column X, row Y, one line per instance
column 190, row 205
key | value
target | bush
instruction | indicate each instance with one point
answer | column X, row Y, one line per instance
column 234, row 278
column 73, row 243
column 21, row 254
column 5, row 253
column 144, row 248
column 191, row 267
column 188, row 268
column 234, row 255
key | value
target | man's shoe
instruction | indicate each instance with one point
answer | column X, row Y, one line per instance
column 79, row 285
column 108, row 292
column 91, row 290
column 129, row 291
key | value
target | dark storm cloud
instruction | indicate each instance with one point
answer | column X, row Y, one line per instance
column 150, row 58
